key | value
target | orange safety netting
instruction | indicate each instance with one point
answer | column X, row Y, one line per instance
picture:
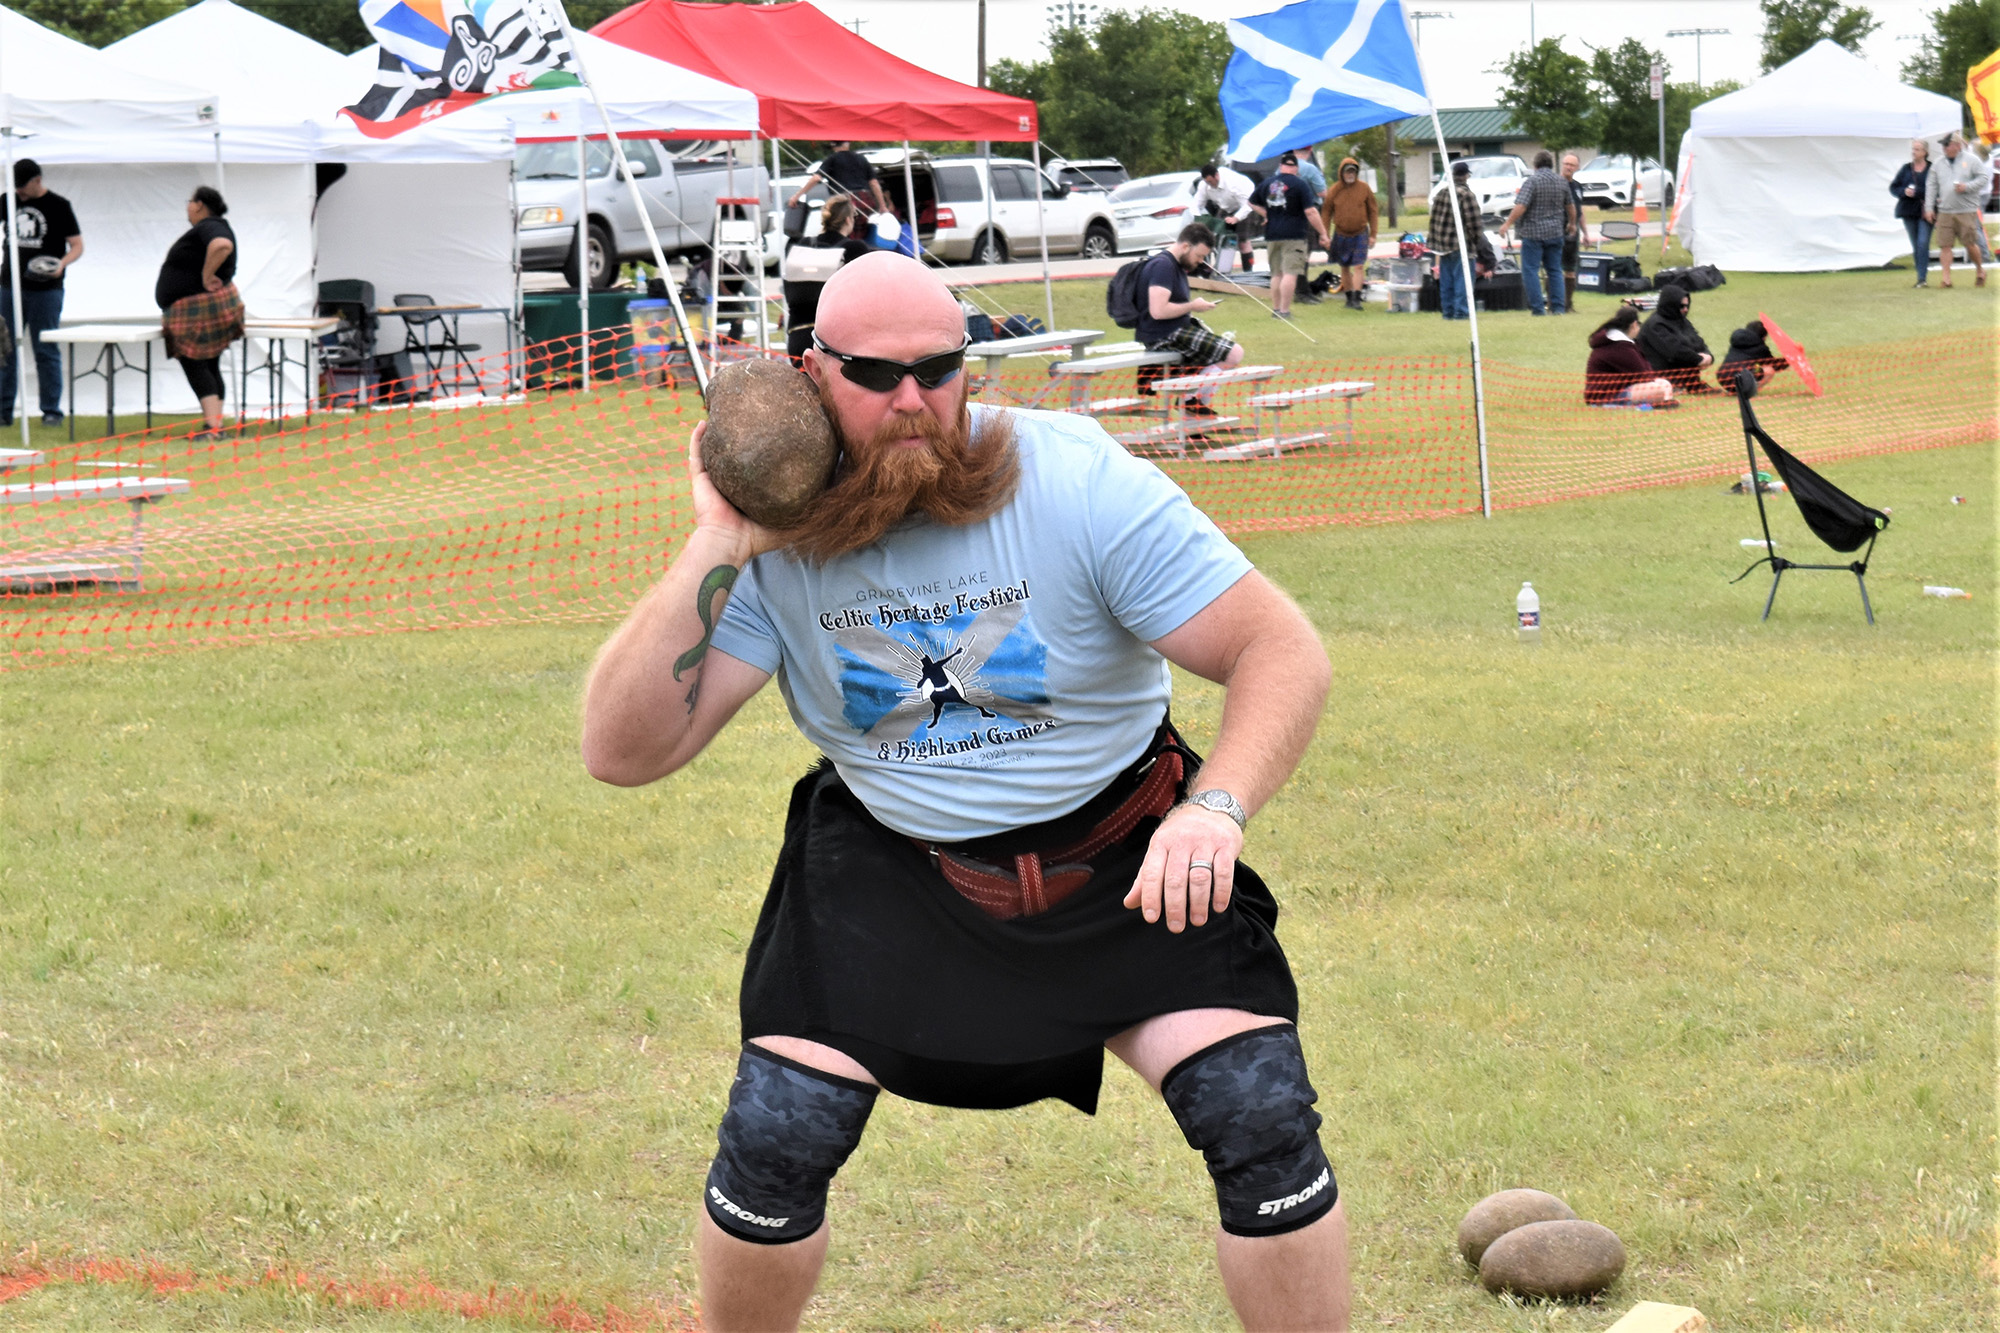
column 29, row 1274
column 557, row 506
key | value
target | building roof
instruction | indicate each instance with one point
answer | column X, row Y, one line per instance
column 1461, row 123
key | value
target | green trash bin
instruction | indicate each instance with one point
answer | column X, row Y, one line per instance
column 549, row 327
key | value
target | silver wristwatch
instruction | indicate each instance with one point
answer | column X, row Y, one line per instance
column 1215, row 798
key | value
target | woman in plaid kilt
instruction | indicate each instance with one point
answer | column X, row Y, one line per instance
column 203, row 311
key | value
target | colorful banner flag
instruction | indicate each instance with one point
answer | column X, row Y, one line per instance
column 1982, row 94
column 440, row 56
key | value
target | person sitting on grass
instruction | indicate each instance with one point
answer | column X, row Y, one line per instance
column 1618, row 374
column 1672, row 345
column 1748, row 350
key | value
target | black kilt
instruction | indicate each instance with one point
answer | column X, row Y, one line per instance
column 863, row 946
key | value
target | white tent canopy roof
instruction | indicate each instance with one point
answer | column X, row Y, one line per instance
column 84, row 106
column 644, row 96
column 1827, row 92
column 280, row 91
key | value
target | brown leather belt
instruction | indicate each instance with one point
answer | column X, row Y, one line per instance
column 1040, row 880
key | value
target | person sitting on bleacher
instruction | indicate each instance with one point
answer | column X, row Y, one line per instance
column 1618, row 374
column 1748, row 350
column 1673, row 346
column 1167, row 320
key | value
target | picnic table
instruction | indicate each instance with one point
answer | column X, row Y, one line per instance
column 1276, row 405
column 996, row 350
column 1080, row 372
column 89, row 567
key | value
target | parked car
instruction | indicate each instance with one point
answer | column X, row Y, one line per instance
column 1088, row 173
column 979, row 210
column 1607, row 182
column 1151, row 210
column 680, row 180
column 1495, row 181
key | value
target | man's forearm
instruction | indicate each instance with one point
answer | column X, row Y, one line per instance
column 639, row 705
column 1270, row 707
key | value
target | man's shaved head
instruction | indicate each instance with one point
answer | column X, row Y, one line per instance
column 909, row 449
column 887, row 304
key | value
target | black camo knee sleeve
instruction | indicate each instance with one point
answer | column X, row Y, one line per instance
column 787, row 1130
column 1246, row 1104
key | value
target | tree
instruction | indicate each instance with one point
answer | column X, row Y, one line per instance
column 97, row 22
column 1549, row 92
column 1141, row 86
column 1792, row 26
column 1628, row 119
column 1963, row 33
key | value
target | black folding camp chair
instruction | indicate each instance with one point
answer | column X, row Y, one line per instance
column 1836, row 518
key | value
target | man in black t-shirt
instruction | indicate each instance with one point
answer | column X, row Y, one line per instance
column 1167, row 310
column 851, row 174
column 1290, row 206
column 45, row 225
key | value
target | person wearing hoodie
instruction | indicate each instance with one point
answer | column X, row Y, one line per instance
column 1672, row 345
column 1748, row 351
column 1349, row 213
column 1618, row 374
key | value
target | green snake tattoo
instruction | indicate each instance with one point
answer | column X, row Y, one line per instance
column 720, row 579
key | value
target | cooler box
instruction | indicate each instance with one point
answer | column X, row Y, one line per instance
column 1403, row 297
column 1591, row 271
column 1396, row 272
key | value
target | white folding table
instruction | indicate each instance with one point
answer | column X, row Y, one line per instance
column 306, row 330
column 113, row 340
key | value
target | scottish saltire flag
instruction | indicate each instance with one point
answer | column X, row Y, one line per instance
column 1317, row 70
column 438, row 56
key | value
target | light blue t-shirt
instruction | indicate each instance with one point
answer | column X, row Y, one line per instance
column 969, row 680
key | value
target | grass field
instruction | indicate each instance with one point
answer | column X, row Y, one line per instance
column 327, row 956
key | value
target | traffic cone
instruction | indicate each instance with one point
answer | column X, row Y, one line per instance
column 1639, row 209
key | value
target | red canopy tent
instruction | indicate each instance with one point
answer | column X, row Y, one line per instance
column 815, row 79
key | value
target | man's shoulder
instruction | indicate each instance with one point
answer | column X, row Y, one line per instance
column 1160, row 274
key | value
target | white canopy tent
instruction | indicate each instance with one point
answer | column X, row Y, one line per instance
column 428, row 211
column 1791, row 174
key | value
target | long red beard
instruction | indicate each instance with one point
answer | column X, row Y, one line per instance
column 958, row 478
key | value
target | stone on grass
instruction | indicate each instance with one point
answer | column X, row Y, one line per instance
column 770, row 448
column 1497, row 1214
column 1553, row 1260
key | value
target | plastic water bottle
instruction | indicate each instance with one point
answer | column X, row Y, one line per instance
column 1528, row 614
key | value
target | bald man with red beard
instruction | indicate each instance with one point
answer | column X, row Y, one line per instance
column 1008, row 861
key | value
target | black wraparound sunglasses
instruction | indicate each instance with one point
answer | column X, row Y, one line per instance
column 881, row 375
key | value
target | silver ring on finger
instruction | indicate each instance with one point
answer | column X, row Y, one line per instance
column 1202, row 865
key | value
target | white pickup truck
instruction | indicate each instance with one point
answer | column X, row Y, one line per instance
column 680, row 180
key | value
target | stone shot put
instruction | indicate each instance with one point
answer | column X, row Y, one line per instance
column 1008, row 860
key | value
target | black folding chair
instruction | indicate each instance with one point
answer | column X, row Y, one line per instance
column 1836, row 518
column 434, row 335
column 349, row 351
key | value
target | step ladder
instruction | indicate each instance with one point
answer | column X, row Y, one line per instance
column 736, row 254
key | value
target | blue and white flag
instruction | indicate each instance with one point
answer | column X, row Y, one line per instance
column 1317, row 70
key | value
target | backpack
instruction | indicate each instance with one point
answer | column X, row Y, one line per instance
column 1122, row 297
column 1700, row 278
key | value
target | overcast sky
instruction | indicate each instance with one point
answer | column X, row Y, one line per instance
column 1459, row 51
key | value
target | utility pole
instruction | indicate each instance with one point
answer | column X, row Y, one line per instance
column 1698, row 34
column 985, row 148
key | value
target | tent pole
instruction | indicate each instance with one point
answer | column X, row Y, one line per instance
column 220, row 187
column 14, row 290
column 514, row 204
column 910, row 197
column 987, row 152
column 645, row 214
column 1465, row 244
column 1048, row 288
column 583, row 248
